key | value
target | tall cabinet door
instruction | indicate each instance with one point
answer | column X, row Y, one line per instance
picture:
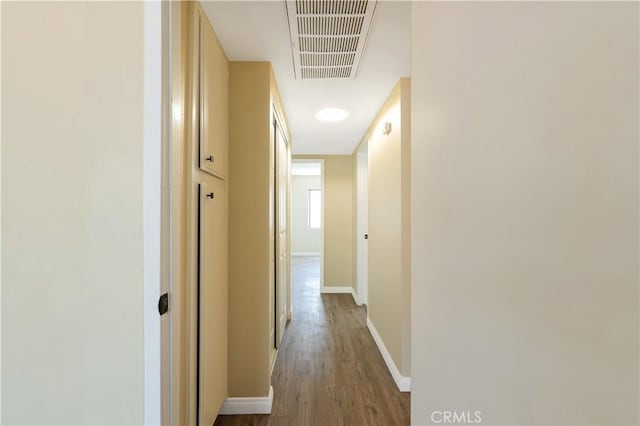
column 212, row 300
column 213, row 80
column 281, row 231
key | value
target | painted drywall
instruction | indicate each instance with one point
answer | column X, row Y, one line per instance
column 405, row 226
column 388, row 272
column 303, row 239
column 254, row 99
column 525, row 212
column 338, row 205
column 250, row 228
column 338, row 219
column 72, row 219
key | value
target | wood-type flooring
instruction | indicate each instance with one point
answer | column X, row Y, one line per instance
column 329, row 370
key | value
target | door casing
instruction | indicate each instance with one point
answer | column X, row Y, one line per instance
column 362, row 177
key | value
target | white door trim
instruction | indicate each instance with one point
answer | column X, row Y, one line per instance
column 322, row 222
column 0, row 222
column 154, row 141
column 361, row 223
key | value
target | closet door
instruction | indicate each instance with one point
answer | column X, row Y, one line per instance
column 213, row 80
column 212, row 300
column 281, row 231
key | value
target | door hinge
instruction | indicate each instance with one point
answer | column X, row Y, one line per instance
column 163, row 304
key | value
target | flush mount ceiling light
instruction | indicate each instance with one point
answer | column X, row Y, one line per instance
column 332, row 114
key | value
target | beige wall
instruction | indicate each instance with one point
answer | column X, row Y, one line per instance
column 250, row 228
column 72, row 219
column 253, row 94
column 525, row 212
column 389, row 293
column 338, row 222
column 405, row 217
column 303, row 238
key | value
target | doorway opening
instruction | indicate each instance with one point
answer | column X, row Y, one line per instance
column 307, row 224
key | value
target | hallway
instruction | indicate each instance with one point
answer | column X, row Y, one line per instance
column 329, row 370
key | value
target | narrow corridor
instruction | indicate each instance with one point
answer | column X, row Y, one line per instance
column 329, row 370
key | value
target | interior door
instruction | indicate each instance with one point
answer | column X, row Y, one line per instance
column 212, row 301
column 282, row 209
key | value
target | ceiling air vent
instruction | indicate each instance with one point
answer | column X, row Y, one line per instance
column 328, row 36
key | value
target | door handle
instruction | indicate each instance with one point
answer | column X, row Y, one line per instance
column 209, row 158
column 366, row 236
column 210, row 195
column 163, row 304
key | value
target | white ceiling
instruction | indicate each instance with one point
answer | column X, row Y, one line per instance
column 258, row 31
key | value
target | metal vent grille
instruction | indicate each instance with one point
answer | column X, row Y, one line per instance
column 328, row 36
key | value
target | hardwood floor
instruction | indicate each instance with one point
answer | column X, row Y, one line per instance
column 329, row 370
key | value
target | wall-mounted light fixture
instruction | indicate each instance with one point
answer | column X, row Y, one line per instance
column 387, row 128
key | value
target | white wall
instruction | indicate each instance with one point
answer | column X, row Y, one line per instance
column 525, row 211
column 303, row 239
column 72, row 219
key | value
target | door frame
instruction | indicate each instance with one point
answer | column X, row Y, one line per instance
column 322, row 223
column 157, row 129
column 172, row 369
column 362, row 208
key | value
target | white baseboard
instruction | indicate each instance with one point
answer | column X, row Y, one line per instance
column 355, row 297
column 250, row 405
column 305, row 254
column 403, row 383
column 342, row 289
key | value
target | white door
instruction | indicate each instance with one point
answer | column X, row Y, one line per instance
column 282, row 209
column 363, row 224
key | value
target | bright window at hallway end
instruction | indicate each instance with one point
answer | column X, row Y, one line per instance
column 315, row 209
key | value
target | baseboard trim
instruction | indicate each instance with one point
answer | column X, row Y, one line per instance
column 345, row 289
column 249, row 405
column 336, row 289
column 403, row 383
column 342, row 290
column 356, row 299
column 300, row 253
